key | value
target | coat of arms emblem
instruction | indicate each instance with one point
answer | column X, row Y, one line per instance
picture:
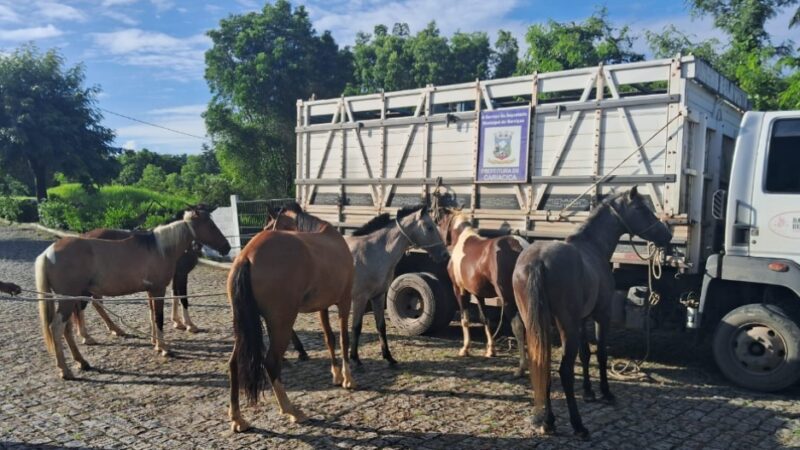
column 502, row 145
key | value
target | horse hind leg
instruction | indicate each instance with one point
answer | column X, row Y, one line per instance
column 360, row 306
column 238, row 424
column 80, row 320
column 302, row 355
column 112, row 327
column 330, row 343
column 463, row 303
column 344, row 316
column 73, row 348
column 518, row 328
column 571, row 339
column 157, row 322
column 490, row 350
column 585, row 355
column 57, row 326
column 177, row 323
column 378, row 309
column 280, row 332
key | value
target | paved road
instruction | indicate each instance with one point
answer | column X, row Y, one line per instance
column 137, row 399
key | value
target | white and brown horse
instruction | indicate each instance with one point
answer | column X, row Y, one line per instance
column 76, row 266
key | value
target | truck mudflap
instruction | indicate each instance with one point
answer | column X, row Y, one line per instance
column 767, row 271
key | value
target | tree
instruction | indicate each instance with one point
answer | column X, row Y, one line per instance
column 133, row 163
column 506, row 55
column 560, row 46
column 671, row 41
column 260, row 63
column 49, row 122
column 471, row 56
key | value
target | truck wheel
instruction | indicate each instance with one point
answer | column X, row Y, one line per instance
column 758, row 347
column 412, row 305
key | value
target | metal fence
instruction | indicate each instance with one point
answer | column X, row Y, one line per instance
column 251, row 215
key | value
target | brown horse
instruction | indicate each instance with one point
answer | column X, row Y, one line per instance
column 482, row 267
column 78, row 266
column 10, row 288
column 277, row 275
column 569, row 282
column 185, row 264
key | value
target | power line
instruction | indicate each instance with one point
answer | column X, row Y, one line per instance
column 154, row 125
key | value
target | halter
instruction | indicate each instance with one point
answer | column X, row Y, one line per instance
column 625, row 224
column 191, row 229
column 411, row 241
column 275, row 220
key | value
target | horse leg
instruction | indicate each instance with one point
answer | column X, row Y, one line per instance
column 110, row 325
column 570, row 337
column 331, row 344
column 157, row 318
column 176, row 319
column 298, row 345
column 180, row 288
column 57, row 326
column 359, row 307
column 238, row 424
column 490, row 351
column 73, row 347
column 463, row 304
column 379, row 310
column 344, row 315
column 586, row 354
column 80, row 320
column 519, row 334
column 279, row 330
column 603, row 324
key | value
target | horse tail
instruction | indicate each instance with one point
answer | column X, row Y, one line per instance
column 47, row 308
column 250, row 352
column 538, row 321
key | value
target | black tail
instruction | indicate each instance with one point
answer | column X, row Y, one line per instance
column 249, row 335
column 538, row 323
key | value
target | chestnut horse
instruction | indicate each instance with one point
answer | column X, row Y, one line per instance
column 77, row 266
column 569, row 282
column 10, row 288
column 277, row 275
column 185, row 264
column 482, row 267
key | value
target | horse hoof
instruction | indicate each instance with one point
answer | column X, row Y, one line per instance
column 163, row 352
column 589, row 397
column 239, row 425
column 67, row 375
column 490, row 353
column 349, row 384
column 519, row 373
column 192, row 329
column 392, row 363
column 463, row 352
column 84, row 365
column 89, row 341
column 302, row 357
column 356, row 361
column 582, row 433
column 178, row 326
column 298, row 417
column 119, row 334
column 609, row 399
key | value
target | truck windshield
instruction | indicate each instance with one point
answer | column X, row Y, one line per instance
column 784, row 157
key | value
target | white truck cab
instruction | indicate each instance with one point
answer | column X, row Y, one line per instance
column 755, row 281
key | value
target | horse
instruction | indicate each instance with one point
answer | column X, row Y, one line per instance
column 10, row 288
column 278, row 275
column 77, row 266
column 377, row 248
column 569, row 282
column 185, row 264
column 482, row 267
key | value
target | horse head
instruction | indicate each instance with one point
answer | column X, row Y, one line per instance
column 418, row 227
column 637, row 218
column 204, row 229
column 280, row 219
column 451, row 224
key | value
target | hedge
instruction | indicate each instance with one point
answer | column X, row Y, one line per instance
column 18, row 209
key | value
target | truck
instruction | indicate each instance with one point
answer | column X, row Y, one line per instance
column 533, row 154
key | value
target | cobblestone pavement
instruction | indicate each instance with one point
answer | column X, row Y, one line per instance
column 137, row 399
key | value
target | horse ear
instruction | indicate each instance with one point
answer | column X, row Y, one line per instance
column 633, row 192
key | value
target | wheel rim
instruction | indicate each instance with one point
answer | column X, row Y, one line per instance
column 409, row 304
column 758, row 349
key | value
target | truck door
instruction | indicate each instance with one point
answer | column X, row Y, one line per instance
column 776, row 189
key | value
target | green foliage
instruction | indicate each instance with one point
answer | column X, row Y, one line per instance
column 398, row 60
column 48, row 120
column 154, row 179
column 71, row 207
column 560, row 46
column 671, row 41
column 133, row 164
column 260, row 63
column 18, row 209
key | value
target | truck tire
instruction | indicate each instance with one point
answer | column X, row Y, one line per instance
column 758, row 347
column 416, row 304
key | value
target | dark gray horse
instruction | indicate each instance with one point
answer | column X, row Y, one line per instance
column 570, row 282
column 377, row 248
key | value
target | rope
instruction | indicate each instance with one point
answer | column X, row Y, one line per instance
column 611, row 172
column 632, row 369
column 56, row 297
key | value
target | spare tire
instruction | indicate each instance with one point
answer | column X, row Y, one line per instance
column 416, row 304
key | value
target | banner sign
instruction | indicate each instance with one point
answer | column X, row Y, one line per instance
column 503, row 150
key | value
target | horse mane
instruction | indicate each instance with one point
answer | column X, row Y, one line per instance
column 593, row 214
column 306, row 223
column 375, row 224
column 167, row 237
column 406, row 210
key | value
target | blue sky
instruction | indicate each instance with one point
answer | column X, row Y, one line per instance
column 147, row 55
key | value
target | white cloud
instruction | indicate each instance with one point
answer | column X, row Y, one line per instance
column 163, row 5
column 121, row 17
column 118, row 2
column 58, row 11
column 185, row 118
column 129, row 145
column 8, row 15
column 30, row 34
column 192, row 110
column 173, row 57
column 346, row 18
